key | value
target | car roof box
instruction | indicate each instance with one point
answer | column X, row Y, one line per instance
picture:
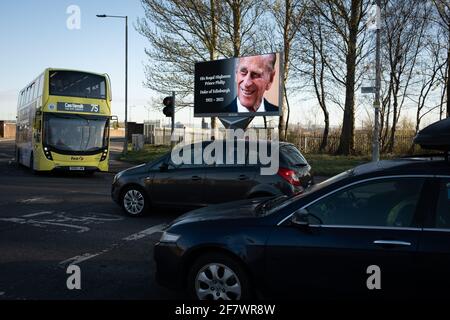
column 435, row 137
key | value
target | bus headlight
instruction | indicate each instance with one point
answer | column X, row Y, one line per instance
column 48, row 154
column 104, row 155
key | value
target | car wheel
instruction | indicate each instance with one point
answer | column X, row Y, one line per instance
column 134, row 201
column 218, row 277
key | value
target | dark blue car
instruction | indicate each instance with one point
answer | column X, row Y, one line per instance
column 392, row 216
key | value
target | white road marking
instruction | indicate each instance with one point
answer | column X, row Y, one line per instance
column 91, row 193
column 145, row 233
column 86, row 256
column 79, row 259
column 80, row 228
column 40, row 200
column 40, row 223
column 37, row 214
column 2, row 293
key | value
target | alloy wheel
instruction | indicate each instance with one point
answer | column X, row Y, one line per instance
column 133, row 202
column 216, row 281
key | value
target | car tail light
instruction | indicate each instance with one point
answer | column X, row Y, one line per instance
column 290, row 176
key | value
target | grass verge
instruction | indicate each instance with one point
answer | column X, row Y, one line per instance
column 149, row 153
column 330, row 165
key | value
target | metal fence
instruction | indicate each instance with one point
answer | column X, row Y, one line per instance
column 310, row 143
column 162, row 136
column 307, row 142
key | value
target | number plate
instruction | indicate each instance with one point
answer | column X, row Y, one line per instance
column 76, row 168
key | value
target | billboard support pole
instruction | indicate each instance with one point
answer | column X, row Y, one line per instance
column 236, row 122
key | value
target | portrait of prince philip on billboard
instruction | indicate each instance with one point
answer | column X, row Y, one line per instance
column 238, row 86
column 254, row 76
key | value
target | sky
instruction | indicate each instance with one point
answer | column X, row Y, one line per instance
column 34, row 35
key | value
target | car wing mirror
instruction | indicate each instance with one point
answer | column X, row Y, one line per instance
column 300, row 218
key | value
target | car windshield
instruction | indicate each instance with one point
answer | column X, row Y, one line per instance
column 73, row 132
column 274, row 204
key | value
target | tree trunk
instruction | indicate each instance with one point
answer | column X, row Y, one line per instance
column 326, row 131
column 282, row 125
column 288, row 115
column 236, row 28
column 346, row 141
column 448, row 74
column 213, row 50
column 395, row 117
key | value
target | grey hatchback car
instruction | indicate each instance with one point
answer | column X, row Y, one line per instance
column 162, row 183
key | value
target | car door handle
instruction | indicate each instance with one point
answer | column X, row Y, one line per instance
column 392, row 243
column 243, row 177
column 196, row 178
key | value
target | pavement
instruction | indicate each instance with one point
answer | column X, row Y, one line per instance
column 115, row 165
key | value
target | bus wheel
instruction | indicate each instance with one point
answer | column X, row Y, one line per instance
column 134, row 201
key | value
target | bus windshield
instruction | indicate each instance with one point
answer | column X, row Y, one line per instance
column 76, row 133
column 77, row 84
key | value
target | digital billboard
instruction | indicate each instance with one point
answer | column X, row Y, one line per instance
column 244, row 86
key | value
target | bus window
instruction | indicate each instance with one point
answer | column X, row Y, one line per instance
column 27, row 95
column 41, row 85
column 77, row 84
column 33, row 91
column 38, row 87
column 20, row 98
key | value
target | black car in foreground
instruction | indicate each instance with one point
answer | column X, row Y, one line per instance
column 378, row 230
column 163, row 183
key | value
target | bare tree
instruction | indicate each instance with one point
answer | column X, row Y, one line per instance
column 239, row 22
column 406, row 23
column 343, row 20
column 183, row 32
column 313, row 66
column 288, row 15
column 443, row 8
column 427, row 75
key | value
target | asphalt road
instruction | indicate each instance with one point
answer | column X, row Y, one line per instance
column 49, row 222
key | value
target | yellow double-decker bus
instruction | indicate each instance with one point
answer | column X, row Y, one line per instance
column 63, row 121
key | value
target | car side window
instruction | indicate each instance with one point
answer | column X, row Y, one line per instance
column 443, row 207
column 191, row 164
column 157, row 165
column 385, row 202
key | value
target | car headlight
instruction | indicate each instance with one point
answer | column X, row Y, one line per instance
column 169, row 237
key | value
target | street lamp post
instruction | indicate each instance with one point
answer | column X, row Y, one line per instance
column 125, row 143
